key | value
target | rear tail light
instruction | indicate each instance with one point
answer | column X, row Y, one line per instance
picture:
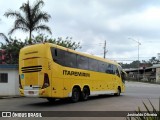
column 20, row 85
column 46, row 81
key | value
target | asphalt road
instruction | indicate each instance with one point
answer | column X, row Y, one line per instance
column 135, row 94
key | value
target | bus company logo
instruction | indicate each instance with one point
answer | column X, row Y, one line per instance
column 6, row 114
column 75, row 73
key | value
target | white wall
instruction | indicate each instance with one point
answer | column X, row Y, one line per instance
column 12, row 87
column 158, row 75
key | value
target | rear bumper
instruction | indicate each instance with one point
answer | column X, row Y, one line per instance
column 31, row 93
column 34, row 91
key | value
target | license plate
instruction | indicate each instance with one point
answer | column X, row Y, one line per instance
column 30, row 92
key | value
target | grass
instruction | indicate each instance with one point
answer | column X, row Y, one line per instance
column 146, row 114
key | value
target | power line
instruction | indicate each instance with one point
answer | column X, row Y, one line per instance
column 130, row 58
column 123, row 60
column 99, row 44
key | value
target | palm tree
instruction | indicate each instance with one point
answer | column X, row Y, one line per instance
column 3, row 36
column 31, row 20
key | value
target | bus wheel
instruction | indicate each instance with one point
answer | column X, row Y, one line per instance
column 75, row 95
column 85, row 94
column 51, row 100
column 118, row 92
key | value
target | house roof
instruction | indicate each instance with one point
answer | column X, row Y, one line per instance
column 8, row 66
column 141, row 69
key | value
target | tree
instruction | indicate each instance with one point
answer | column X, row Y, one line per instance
column 3, row 36
column 31, row 20
column 67, row 42
column 13, row 46
column 153, row 60
column 143, row 64
column 11, row 49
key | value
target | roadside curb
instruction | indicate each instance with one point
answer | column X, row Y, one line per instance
column 9, row 97
column 142, row 82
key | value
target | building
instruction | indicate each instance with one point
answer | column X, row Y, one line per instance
column 9, row 80
column 151, row 74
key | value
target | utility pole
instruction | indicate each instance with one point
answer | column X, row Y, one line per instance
column 138, row 57
column 138, row 54
column 105, row 51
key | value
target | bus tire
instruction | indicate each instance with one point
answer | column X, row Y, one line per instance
column 51, row 100
column 85, row 94
column 118, row 92
column 75, row 95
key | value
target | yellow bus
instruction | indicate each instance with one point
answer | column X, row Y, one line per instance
column 50, row 71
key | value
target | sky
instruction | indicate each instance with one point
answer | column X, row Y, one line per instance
column 122, row 23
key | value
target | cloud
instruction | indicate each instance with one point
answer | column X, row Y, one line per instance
column 93, row 21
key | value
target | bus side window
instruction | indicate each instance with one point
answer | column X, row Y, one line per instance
column 58, row 56
column 102, row 66
column 70, row 60
column 82, row 62
column 93, row 65
column 110, row 69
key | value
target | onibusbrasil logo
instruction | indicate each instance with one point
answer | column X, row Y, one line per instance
column 21, row 114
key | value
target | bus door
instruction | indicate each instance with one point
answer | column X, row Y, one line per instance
column 116, row 77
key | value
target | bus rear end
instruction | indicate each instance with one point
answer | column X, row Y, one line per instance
column 35, row 71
